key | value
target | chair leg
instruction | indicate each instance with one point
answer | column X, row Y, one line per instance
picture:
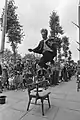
column 42, row 107
column 29, row 103
column 49, row 101
column 35, row 101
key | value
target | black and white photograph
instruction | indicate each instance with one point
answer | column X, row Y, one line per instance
column 39, row 59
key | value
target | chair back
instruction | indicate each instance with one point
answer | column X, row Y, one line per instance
column 30, row 85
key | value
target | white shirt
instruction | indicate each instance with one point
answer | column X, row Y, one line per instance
column 46, row 48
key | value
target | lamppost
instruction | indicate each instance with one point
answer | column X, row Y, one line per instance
column 78, row 26
column 4, row 31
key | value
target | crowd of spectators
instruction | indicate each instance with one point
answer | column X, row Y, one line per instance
column 15, row 76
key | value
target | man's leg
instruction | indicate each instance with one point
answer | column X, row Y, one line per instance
column 47, row 57
column 42, row 63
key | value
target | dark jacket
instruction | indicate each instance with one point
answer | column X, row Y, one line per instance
column 39, row 48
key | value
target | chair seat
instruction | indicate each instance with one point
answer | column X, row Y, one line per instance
column 41, row 93
column 37, row 92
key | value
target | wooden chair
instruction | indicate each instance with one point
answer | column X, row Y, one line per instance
column 35, row 92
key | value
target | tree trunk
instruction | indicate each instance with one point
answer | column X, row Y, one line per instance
column 14, row 51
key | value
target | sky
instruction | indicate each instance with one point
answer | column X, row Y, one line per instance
column 35, row 14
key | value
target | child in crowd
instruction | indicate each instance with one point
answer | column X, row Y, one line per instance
column 11, row 81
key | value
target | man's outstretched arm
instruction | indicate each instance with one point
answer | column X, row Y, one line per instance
column 38, row 49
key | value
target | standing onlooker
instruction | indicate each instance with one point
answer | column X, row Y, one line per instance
column 5, row 76
column 55, row 75
column 18, row 68
column 0, row 78
column 64, row 74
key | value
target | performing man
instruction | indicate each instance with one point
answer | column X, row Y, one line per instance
column 47, row 48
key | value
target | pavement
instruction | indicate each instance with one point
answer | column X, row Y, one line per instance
column 64, row 99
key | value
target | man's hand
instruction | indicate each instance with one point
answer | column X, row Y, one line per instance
column 30, row 50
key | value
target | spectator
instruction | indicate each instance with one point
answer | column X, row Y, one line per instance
column 5, row 77
column 18, row 67
column 0, row 78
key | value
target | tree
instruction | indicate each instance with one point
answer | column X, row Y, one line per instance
column 14, row 30
column 65, row 41
column 7, row 55
column 31, row 57
column 55, row 31
column 70, row 56
column 55, row 27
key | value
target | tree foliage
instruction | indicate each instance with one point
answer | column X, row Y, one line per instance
column 54, row 24
column 7, row 55
column 14, row 30
column 29, row 57
column 70, row 55
column 55, row 31
column 65, row 41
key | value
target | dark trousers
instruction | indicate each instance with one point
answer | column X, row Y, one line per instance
column 47, row 57
column 55, row 77
column 0, row 85
column 63, row 75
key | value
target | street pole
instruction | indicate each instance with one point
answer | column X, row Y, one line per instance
column 4, row 31
column 79, row 25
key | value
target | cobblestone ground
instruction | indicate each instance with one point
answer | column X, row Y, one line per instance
column 64, row 98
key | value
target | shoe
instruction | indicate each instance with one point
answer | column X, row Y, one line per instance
column 15, row 89
column 23, row 90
